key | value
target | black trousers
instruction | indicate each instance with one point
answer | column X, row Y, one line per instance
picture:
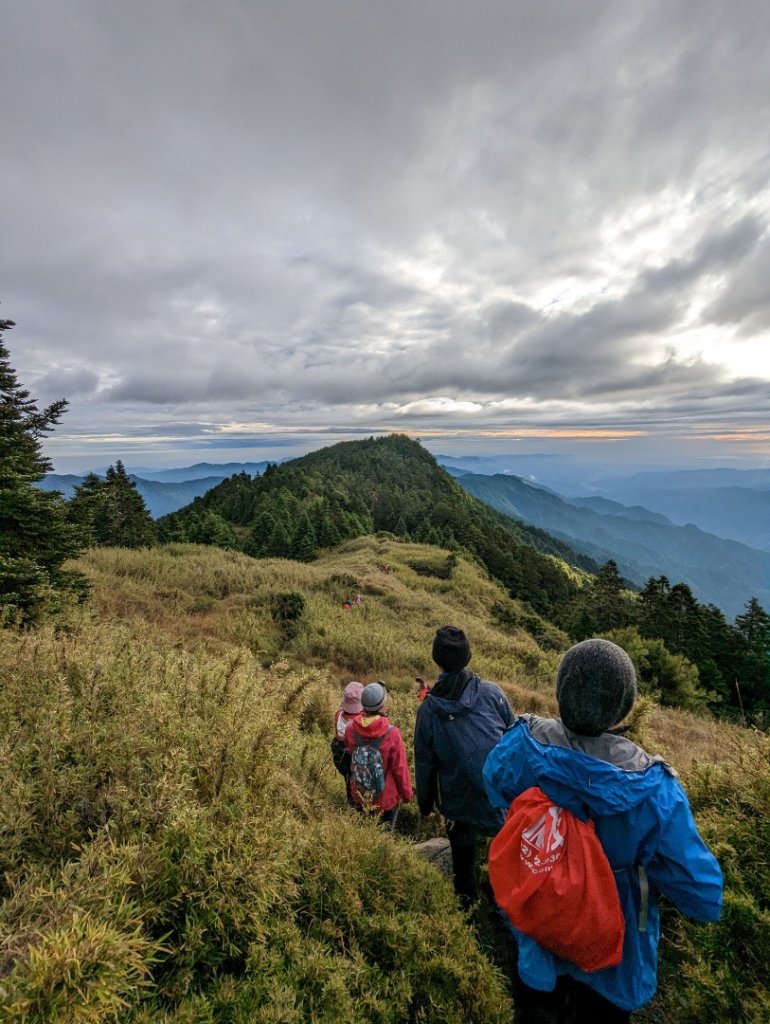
column 570, row 1003
column 463, row 842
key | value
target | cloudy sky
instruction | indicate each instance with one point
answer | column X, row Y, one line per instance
column 237, row 229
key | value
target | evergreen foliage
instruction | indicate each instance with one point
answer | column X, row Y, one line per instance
column 36, row 537
column 687, row 654
column 389, row 484
column 733, row 661
column 111, row 512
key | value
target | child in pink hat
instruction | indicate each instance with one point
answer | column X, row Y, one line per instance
column 349, row 710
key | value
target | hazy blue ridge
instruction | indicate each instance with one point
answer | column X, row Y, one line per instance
column 731, row 503
column 604, row 506
column 65, row 483
column 160, row 498
column 203, row 470
column 694, row 479
column 718, row 571
column 737, row 513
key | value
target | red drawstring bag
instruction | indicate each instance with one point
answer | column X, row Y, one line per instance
column 551, row 876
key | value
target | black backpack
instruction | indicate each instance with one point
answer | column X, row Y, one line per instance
column 340, row 756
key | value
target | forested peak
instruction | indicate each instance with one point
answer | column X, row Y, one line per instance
column 379, row 484
column 373, row 454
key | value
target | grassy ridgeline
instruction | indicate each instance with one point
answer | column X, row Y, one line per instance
column 175, row 842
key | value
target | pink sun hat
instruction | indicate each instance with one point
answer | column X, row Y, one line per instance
column 351, row 698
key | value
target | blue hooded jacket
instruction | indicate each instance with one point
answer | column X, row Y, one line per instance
column 451, row 741
column 642, row 817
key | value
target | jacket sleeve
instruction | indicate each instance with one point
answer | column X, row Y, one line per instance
column 506, row 712
column 683, row 867
column 400, row 768
column 501, row 773
column 425, row 762
column 349, row 739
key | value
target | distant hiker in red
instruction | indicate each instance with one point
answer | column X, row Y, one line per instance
column 422, row 688
column 348, row 711
column 586, row 769
column 379, row 773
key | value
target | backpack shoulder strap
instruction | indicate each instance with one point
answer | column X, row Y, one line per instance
column 380, row 739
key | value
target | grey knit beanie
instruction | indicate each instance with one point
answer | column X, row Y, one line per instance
column 451, row 650
column 595, row 687
column 373, row 697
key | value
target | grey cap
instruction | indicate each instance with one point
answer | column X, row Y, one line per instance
column 373, row 697
column 595, row 687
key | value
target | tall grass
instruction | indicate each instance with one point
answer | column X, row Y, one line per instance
column 176, row 847
column 175, row 841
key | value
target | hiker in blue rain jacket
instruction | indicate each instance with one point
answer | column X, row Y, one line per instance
column 458, row 723
column 642, row 818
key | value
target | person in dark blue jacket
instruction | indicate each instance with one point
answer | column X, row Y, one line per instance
column 583, row 762
column 458, row 723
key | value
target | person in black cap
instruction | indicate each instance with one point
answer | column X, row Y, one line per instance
column 456, row 727
column 583, row 762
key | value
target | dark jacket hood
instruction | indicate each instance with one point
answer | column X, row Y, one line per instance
column 465, row 684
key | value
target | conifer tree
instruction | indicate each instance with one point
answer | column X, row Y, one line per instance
column 753, row 662
column 36, row 537
column 112, row 512
column 213, row 529
column 610, row 604
column 754, row 627
column 304, row 543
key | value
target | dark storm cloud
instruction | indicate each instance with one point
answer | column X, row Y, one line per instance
column 66, row 382
column 336, row 213
column 718, row 251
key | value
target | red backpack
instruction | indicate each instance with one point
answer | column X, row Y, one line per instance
column 551, row 877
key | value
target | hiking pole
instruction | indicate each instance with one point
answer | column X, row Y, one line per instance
column 393, row 823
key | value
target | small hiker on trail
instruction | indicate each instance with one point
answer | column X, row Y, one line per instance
column 454, row 732
column 422, row 688
column 583, row 763
column 349, row 710
column 379, row 773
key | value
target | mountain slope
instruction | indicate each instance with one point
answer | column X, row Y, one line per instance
column 383, row 484
column 737, row 510
column 644, row 544
column 732, row 503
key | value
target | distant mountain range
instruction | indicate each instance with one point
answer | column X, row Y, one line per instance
column 643, row 543
column 165, row 490
column 731, row 503
column 709, row 528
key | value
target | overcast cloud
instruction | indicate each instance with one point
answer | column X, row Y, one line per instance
column 234, row 224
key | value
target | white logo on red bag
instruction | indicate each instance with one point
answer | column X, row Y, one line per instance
column 542, row 844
